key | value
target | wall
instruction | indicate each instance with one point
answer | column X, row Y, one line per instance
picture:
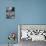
column 6, row 25
column 31, row 11
column 27, row 12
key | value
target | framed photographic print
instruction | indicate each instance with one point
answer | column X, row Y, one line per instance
column 10, row 12
column 32, row 32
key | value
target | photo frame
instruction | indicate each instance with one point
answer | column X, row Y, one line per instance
column 10, row 12
column 35, row 32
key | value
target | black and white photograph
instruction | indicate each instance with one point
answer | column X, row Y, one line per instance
column 31, row 34
column 10, row 12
